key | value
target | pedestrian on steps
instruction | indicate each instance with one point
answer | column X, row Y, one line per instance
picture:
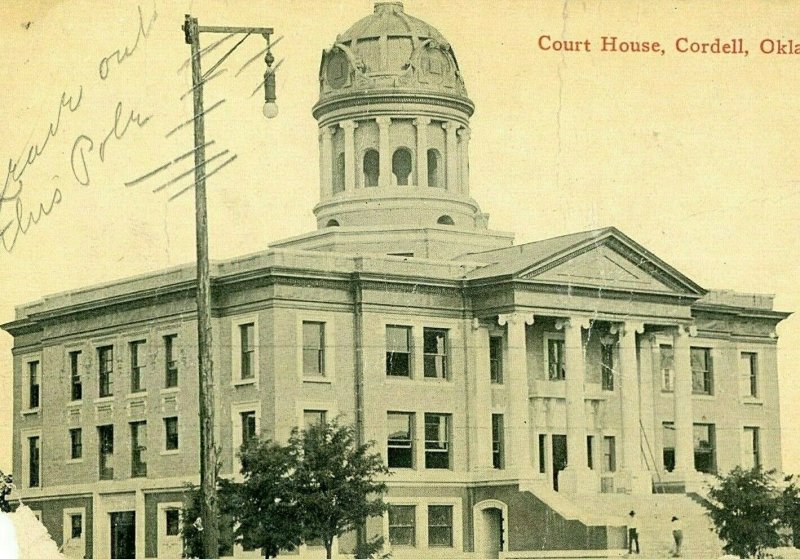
column 633, row 532
column 677, row 535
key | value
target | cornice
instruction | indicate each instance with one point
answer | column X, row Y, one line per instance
column 411, row 97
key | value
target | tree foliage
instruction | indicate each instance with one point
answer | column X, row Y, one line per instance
column 191, row 525
column 749, row 510
column 337, row 481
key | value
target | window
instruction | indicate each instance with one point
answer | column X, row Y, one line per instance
column 247, row 353
column 437, row 441
column 609, row 454
column 138, row 448
column 372, row 166
column 173, row 522
column 556, row 368
column 590, row 451
column 398, row 351
column 171, row 433
column 704, row 452
column 76, row 386
column 434, row 164
column 496, row 359
column 313, row 348
column 542, row 453
column 402, row 525
column 314, row 417
column 248, row 420
column 498, row 458
column 445, row 220
column 750, row 367
column 435, row 350
column 33, row 376
column 752, row 448
column 170, row 363
column 440, row 526
column 76, row 526
column 607, row 366
column 105, row 366
column 137, row 365
column 702, row 371
column 75, row 444
column 401, row 166
column 338, row 173
column 400, row 443
column 667, row 368
column 668, row 446
column 105, row 438
column 34, row 455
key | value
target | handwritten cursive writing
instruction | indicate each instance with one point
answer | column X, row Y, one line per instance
column 120, row 56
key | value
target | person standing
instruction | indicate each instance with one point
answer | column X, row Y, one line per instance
column 633, row 532
column 677, row 535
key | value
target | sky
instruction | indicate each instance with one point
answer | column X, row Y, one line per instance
column 693, row 155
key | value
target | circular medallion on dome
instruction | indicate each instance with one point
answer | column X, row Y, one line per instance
column 337, row 69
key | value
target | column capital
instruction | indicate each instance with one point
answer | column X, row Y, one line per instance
column 325, row 132
column 627, row 328
column 464, row 132
column 383, row 121
column 573, row 322
column 422, row 121
column 348, row 124
column 476, row 323
column 450, row 126
column 686, row 330
column 515, row 318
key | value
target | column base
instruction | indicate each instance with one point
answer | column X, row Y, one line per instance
column 636, row 482
column 578, row 480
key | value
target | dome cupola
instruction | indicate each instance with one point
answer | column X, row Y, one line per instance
column 394, row 133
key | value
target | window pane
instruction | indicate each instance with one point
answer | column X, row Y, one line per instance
column 172, row 522
column 402, row 525
column 497, row 441
column 76, row 526
column 246, row 334
column 170, row 362
column 437, row 448
column 33, row 461
column 397, row 338
column 248, row 425
column 555, row 359
column 440, row 526
column 171, row 433
column 399, row 444
column 314, row 417
column 106, row 370
column 105, row 436
column 435, row 350
column 313, row 348
column 75, row 375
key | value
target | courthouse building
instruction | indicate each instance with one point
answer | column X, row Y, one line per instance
column 505, row 385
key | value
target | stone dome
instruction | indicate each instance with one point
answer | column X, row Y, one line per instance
column 391, row 52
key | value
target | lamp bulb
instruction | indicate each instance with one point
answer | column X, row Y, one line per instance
column 270, row 109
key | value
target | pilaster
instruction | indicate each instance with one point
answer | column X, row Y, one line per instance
column 325, row 163
column 349, row 128
column 384, row 150
column 421, row 124
column 451, row 155
column 464, row 133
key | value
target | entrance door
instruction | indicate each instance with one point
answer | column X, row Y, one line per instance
column 491, row 543
column 123, row 535
column 559, row 457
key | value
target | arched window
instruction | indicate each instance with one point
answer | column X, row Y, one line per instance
column 338, row 174
column 372, row 166
column 401, row 166
column 434, row 174
column 445, row 220
column 332, row 223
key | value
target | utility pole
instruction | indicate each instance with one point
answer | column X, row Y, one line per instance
column 208, row 451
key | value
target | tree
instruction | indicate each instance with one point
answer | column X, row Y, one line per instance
column 264, row 506
column 192, row 526
column 336, row 482
column 790, row 509
column 745, row 510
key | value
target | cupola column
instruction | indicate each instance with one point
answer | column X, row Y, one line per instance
column 385, row 176
column 452, row 156
column 464, row 133
column 349, row 128
column 422, row 150
column 325, row 163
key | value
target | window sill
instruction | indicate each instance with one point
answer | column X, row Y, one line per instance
column 135, row 395
column 30, row 411
column 74, row 461
column 703, row 396
column 753, row 402
column 170, row 452
column 104, row 400
column 318, row 380
column 74, row 403
column 170, row 390
column 245, row 382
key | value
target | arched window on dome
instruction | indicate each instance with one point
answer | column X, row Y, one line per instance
column 338, row 174
column 372, row 166
column 445, row 220
column 332, row 223
column 434, row 169
column 401, row 166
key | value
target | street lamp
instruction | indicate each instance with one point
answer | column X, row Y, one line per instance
column 208, row 452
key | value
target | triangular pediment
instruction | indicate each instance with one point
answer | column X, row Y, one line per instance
column 610, row 261
column 601, row 267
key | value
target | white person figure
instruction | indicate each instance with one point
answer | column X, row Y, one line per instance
column 633, row 532
column 677, row 535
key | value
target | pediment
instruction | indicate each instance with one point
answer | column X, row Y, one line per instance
column 612, row 264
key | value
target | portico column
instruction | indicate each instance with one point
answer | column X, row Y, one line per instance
column 576, row 477
column 349, row 128
column 464, row 133
column 325, row 163
column 635, row 476
column 517, row 424
column 482, row 457
column 452, row 156
column 684, row 436
column 384, row 151
column 422, row 150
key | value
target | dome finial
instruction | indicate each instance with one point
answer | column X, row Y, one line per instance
column 388, row 6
